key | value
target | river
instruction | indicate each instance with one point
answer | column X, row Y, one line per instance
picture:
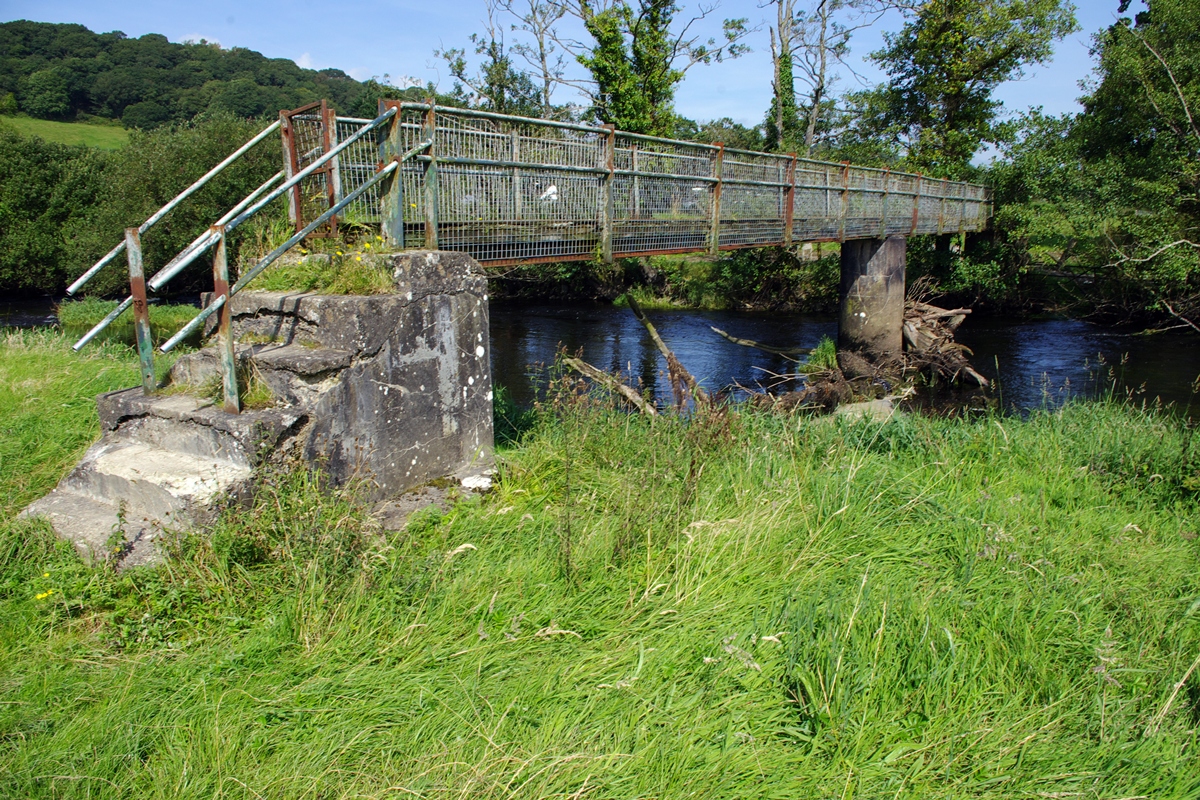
column 1038, row 362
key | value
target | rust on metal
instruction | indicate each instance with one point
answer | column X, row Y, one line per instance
column 714, row 238
column 431, row 179
column 789, row 200
column 141, row 309
column 229, row 381
column 845, row 201
column 916, row 205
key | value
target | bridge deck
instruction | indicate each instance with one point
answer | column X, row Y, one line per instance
column 513, row 190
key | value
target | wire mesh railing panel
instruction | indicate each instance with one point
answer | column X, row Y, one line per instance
column 513, row 189
column 308, row 141
column 356, row 165
column 652, row 215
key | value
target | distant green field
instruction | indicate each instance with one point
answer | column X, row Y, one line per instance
column 105, row 137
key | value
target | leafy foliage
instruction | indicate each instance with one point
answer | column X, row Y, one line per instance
column 63, row 71
column 943, row 67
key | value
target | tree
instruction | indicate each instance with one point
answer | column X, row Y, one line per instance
column 782, row 120
column 944, row 65
column 497, row 86
column 44, row 93
column 639, row 54
column 538, row 18
column 1141, row 127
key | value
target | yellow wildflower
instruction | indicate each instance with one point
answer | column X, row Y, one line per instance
column 45, row 574
column 358, row 258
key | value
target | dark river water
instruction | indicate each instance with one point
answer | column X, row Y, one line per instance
column 1038, row 362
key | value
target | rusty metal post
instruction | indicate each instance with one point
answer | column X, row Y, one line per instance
column 141, row 310
column 887, row 181
column 916, row 205
column 429, row 132
column 606, row 194
column 392, row 147
column 789, row 201
column 291, row 165
column 229, row 381
column 636, row 205
column 518, row 200
column 337, row 162
column 332, row 176
column 714, row 234
column 942, row 209
column 845, row 201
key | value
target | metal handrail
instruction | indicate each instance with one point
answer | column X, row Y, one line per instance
column 170, row 206
column 232, row 219
column 274, row 255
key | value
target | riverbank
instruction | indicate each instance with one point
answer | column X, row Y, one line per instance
column 742, row 606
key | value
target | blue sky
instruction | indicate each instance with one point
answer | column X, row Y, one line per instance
column 397, row 38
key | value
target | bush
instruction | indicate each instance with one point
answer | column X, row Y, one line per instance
column 43, row 186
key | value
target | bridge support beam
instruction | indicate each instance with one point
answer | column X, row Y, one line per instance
column 871, row 296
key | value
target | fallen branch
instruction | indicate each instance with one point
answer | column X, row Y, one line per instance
column 673, row 366
column 612, row 384
column 766, row 348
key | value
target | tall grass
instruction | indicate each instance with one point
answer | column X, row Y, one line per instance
column 77, row 317
column 742, row 605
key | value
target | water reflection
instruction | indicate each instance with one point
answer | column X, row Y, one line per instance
column 525, row 338
column 1042, row 362
column 1039, row 362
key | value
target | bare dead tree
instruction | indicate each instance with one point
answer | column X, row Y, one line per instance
column 544, row 56
column 822, row 39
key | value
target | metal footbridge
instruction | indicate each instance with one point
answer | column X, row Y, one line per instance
column 514, row 190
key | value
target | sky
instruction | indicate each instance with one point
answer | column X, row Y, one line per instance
column 398, row 37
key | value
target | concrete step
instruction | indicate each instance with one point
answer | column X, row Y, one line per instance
column 155, row 486
column 92, row 526
column 290, row 370
column 195, row 426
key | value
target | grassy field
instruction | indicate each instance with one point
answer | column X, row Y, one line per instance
column 105, row 137
column 743, row 605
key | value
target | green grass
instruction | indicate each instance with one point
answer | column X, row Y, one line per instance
column 742, row 605
column 344, row 271
column 104, row 137
column 47, row 413
column 77, row 317
column 822, row 358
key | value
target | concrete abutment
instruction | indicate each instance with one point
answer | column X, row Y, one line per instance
column 386, row 391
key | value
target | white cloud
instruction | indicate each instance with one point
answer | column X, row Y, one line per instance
column 359, row 73
column 305, row 61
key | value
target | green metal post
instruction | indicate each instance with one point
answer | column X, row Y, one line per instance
column 229, row 381
column 714, row 234
column 606, row 195
column 431, row 180
column 845, row 201
column 393, row 203
column 141, row 310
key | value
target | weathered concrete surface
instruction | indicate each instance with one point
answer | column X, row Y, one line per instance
column 871, row 296
column 396, row 388
column 390, row 391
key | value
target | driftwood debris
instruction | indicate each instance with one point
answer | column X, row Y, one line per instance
column 929, row 334
column 612, row 384
column 676, row 370
column 766, row 348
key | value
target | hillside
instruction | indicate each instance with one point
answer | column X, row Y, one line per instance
column 103, row 137
column 65, row 71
